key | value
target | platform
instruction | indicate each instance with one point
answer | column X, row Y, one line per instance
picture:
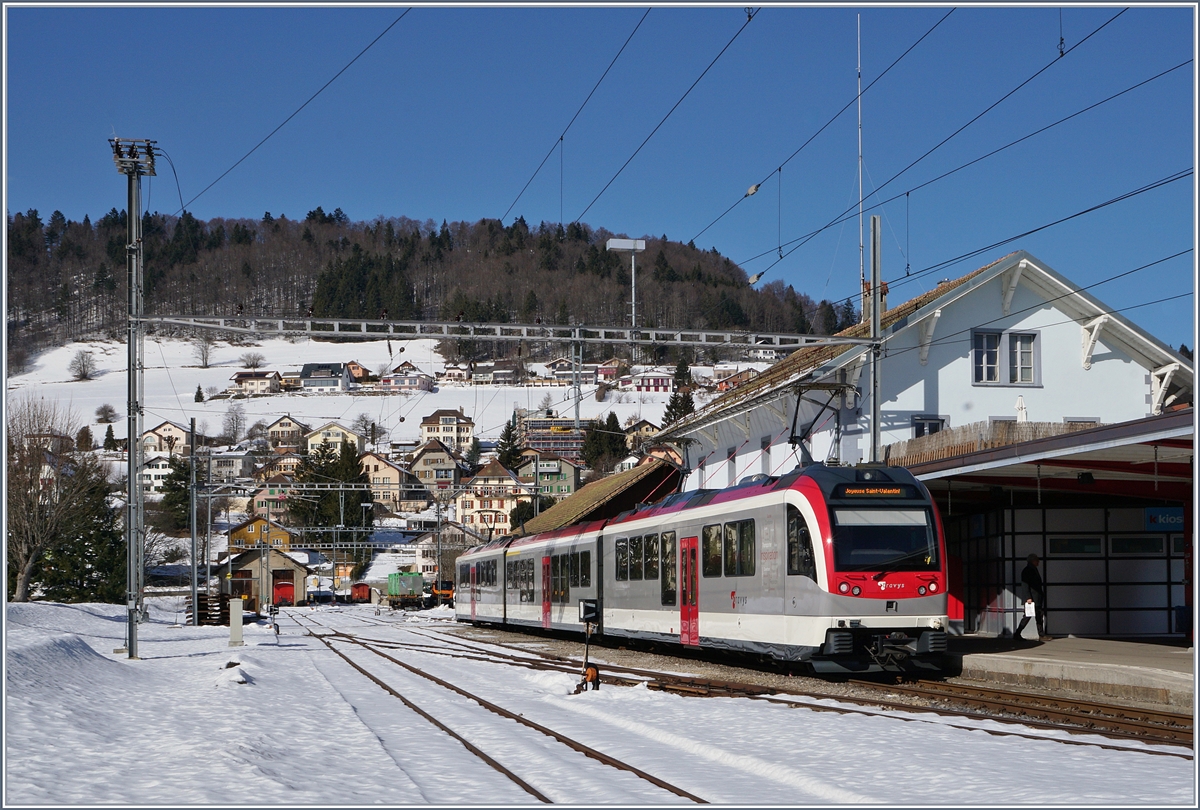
column 1139, row 671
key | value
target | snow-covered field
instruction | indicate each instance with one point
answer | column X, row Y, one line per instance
column 172, row 374
column 289, row 723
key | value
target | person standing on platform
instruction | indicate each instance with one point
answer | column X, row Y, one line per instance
column 1035, row 594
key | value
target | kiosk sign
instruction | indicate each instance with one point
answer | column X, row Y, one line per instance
column 1164, row 518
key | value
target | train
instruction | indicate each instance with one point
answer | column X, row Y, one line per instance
column 839, row 568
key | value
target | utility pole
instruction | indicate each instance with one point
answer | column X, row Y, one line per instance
column 192, row 518
column 634, row 246
column 134, row 157
column 876, row 347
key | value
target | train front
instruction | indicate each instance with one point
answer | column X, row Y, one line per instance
column 885, row 570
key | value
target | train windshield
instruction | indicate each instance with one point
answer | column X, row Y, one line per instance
column 884, row 539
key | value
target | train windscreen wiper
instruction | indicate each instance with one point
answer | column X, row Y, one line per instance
column 892, row 564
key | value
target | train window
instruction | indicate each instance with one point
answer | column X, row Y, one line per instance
column 650, row 544
column 739, row 548
column 635, row 558
column 527, row 580
column 800, row 560
column 574, row 569
column 585, row 569
column 622, row 568
column 464, row 575
column 884, row 540
column 510, row 570
column 712, row 551
column 560, row 571
column 667, row 546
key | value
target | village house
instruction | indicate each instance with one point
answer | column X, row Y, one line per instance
column 168, row 437
column 452, row 428
column 358, row 373
column 392, row 486
column 279, row 464
column 271, row 498
column 256, row 532
column 456, row 372
column 290, row 381
column 438, row 466
column 732, row 381
column 487, row 499
column 609, row 370
column 286, row 431
column 323, row 378
column 405, row 378
column 557, row 477
column 155, row 469
column 255, row 382
column 231, row 465
column 335, row 436
column 640, row 431
column 547, row 432
column 653, row 380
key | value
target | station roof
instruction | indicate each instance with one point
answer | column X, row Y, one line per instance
column 1147, row 458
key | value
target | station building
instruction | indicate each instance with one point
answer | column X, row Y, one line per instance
column 1041, row 420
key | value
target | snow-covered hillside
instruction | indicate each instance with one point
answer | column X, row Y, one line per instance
column 173, row 373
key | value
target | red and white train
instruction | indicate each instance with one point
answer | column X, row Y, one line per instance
column 840, row 567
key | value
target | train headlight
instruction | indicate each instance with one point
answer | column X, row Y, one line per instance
column 856, row 590
column 933, row 587
column 921, row 590
column 844, row 587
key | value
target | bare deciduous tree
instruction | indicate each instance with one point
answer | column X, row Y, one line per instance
column 83, row 365
column 43, row 488
column 202, row 348
column 106, row 414
column 234, row 423
column 252, row 360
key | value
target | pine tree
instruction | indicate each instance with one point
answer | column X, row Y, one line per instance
column 110, row 442
column 508, row 449
column 683, row 374
column 199, row 394
column 83, row 439
column 679, row 406
column 91, row 566
column 177, row 501
column 473, row 453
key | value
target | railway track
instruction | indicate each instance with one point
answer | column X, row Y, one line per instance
column 1131, row 723
column 328, row 637
column 1113, row 722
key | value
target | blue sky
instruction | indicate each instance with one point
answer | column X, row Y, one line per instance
column 448, row 115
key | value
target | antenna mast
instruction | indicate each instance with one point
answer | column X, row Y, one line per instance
column 862, row 272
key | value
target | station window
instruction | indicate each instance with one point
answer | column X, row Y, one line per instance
column 1074, row 545
column 1147, row 544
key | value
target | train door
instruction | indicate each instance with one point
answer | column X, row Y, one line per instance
column 546, row 592
column 689, row 581
column 474, row 591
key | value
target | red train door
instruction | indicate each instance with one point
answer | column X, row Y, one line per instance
column 473, row 591
column 546, row 592
column 689, row 580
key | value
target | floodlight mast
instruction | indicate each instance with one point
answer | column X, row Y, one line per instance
column 134, row 157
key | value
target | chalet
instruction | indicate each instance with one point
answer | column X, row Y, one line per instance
column 457, row 372
column 255, row 382
column 452, row 428
column 487, row 499
column 405, row 378
column 280, row 464
column 557, row 477
column 324, row 377
column 290, row 381
column 609, row 370
column 286, row 431
column 257, row 532
column 334, row 435
column 547, row 432
column 392, row 486
column 437, row 466
column 638, row 432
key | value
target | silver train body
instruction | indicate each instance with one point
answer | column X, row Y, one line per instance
column 840, row 567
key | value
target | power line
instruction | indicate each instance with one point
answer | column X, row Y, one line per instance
column 576, row 115
column 947, row 139
column 294, row 114
column 992, row 153
column 836, row 115
column 749, row 16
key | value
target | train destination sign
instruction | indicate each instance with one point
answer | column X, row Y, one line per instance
column 888, row 490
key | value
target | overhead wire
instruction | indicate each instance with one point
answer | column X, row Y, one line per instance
column 947, row 139
column 751, row 14
column 572, row 121
column 294, row 114
column 826, row 125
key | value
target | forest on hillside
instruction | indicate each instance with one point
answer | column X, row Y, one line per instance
column 66, row 280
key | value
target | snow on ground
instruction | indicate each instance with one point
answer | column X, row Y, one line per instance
column 172, row 374
column 284, row 721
